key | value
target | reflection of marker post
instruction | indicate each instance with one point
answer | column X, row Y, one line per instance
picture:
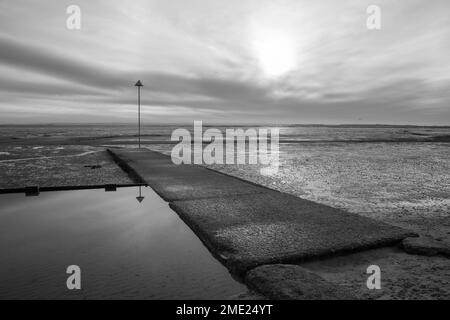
column 139, row 85
column 140, row 198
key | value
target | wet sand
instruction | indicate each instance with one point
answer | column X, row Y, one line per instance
column 405, row 184
column 399, row 183
column 403, row 276
column 402, row 184
column 58, row 165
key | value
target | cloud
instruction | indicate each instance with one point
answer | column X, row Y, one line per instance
column 44, row 61
column 197, row 61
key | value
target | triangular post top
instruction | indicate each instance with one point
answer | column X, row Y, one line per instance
column 139, row 84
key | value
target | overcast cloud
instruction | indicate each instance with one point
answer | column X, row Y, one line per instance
column 226, row 61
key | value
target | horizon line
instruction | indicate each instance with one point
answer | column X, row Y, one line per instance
column 227, row 124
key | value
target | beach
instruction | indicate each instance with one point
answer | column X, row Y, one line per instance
column 396, row 175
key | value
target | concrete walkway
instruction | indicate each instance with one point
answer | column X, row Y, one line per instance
column 245, row 225
column 180, row 182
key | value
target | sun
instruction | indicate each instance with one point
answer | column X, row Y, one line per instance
column 275, row 51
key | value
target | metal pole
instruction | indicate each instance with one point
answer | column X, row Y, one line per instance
column 139, row 85
column 139, row 116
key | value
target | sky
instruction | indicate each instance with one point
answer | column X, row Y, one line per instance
column 234, row 61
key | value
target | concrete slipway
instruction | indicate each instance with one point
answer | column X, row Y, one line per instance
column 245, row 225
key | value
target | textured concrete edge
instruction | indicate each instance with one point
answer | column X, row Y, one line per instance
column 239, row 266
column 200, row 166
column 125, row 166
column 242, row 270
column 241, row 179
column 292, row 282
column 212, row 246
column 425, row 246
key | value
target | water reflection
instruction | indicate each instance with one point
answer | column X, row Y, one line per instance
column 140, row 198
column 125, row 248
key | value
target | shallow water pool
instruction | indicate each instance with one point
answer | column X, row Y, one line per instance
column 125, row 249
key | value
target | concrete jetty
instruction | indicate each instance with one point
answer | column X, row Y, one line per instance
column 249, row 225
column 291, row 282
column 180, row 182
column 245, row 225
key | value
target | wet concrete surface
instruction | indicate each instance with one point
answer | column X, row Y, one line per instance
column 398, row 183
column 180, row 182
column 265, row 226
column 272, row 227
column 426, row 246
column 291, row 282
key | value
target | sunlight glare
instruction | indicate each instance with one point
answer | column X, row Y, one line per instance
column 275, row 51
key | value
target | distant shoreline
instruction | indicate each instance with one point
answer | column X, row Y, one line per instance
column 349, row 125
